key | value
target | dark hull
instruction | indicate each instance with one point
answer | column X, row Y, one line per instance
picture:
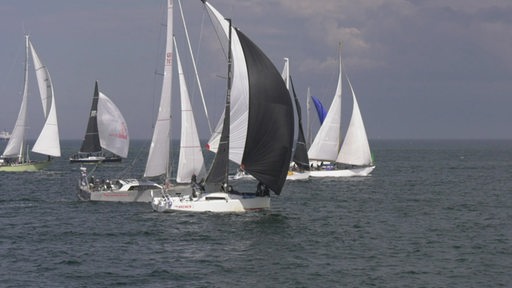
column 80, row 158
column 85, row 160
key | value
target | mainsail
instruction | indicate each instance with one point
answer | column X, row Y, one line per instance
column 326, row 145
column 16, row 145
column 158, row 158
column 91, row 142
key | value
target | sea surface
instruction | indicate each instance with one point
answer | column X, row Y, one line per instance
column 433, row 214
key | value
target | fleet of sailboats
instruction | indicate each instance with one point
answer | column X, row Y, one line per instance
column 256, row 131
column 15, row 157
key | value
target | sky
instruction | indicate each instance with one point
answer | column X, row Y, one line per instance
column 420, row 69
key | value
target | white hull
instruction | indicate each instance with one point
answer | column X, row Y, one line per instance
column 120, row 190
column 353, row 172
column 296, row 175
column 219, row 202
column 85, row 194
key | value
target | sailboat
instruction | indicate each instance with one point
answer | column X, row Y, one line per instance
column 106, row 130
column 267, row 131
column 354, row 157
column 15, row 157
column 191, row 161
column 299, row 168
column 112, row 134
column 5, row 135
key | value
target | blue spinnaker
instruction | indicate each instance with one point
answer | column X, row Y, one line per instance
column 319, row 109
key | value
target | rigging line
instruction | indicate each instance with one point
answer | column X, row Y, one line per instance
column 217, row 34
column 135, row 159
column 195, row 66
column 158, row 60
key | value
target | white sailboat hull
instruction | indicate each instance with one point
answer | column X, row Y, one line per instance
column 296, row 175
column 115, row 196
column 86, row 194
column 352, row 172
column 119, row 190
column 218, row 202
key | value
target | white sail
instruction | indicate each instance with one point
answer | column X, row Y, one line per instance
column 191, row 161
column 286, row 73
column 239, row 92
column 48, row 142
column 112, row 128
column 326, row 145
column 355, row 149
column 15, row 146
column 158, row 158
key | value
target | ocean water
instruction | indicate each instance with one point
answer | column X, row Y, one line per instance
column 433, row 214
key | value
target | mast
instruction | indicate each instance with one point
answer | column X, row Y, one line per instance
column 308, row 106
column 340, row 87
column 24, row 105
column 228, row 103
column 25, row 99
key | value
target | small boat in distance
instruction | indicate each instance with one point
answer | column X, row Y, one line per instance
column 5, row 135
column 106, row 131
column 16, row 155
